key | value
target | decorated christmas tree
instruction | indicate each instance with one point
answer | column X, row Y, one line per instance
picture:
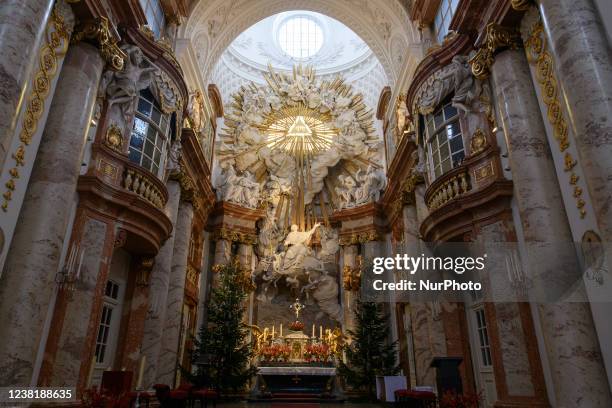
column 370, row 352
column 222, row 353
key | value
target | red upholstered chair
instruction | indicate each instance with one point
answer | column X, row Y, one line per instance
column 141, row 396
column 204, row 396
column 171, row 398
column 415, row 399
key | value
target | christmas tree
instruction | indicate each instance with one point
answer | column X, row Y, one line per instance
column 222, row 353
column 370, row 352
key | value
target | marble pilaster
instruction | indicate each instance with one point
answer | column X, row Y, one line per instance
column 573, row 349
column 583, row 59
column 519, row 377
column 427, row 328
column 158, row 292
column 168, row 358
column 79, row 323
column 429, row 341
column 26, row 286
column 22, row 27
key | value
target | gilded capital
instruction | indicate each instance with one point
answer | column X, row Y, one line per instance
column 520, row 5
column 232, row 235
column 496, row 37
column 98, row 31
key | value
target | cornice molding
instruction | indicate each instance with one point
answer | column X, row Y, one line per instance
column 497, row 37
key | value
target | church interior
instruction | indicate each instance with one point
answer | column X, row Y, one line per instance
column 196, row 193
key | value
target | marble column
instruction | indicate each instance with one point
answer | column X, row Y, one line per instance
column 245, row 255
column 26, row 286
column 168, row 358
column 22, row 29
column 572, row 346
column 204, row 293
column 223, row 252
column 158, row 292
column 223, row 256
column 583, row 62
column 349, row 253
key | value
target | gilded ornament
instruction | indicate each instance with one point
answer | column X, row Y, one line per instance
column 577, row 191
column 99, row 31
column 520, row 5
column 538, row 55
column 144, row 271
column 351, row 276
column 19, row 156
column 54, row 48
column 569, row 162
column 234, row 236
column 574, row 179
column 496, row 37
column 146, row 30
column 478, row 142
column 114, row 138
column 360, row 238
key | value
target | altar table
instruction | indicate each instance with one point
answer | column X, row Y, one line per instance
column 296, row 380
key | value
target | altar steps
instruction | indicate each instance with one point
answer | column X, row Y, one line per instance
column 297, row 400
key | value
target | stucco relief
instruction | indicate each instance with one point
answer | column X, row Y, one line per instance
column 373, row 21
column 471, row 95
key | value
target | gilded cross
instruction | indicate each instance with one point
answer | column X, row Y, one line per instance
column 297, row 307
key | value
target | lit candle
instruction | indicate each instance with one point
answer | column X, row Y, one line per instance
column 272, row 332
column 281, row 331
column 320, row 332
column 313, row 330
column 141, row 372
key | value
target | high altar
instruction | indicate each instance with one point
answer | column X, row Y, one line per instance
column 299, row 173
column 293, row 363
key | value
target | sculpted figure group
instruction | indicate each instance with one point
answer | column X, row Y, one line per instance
column 239, row 189
column 364, row 187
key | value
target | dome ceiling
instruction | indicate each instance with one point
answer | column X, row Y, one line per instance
column 335, row 46
column 300, row 37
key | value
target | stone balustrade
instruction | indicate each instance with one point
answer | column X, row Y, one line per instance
column 144, row 185
column 447, row 187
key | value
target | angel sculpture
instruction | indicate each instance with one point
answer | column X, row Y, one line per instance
column 373, row 182
column 346, row 190
column 123, row 87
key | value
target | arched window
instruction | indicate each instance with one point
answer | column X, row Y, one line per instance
column 445, row 149
column 156, row 19
column 150, row 134
column 443, row 18
column 300, row 37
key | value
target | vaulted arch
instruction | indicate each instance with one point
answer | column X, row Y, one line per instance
column 383, row 24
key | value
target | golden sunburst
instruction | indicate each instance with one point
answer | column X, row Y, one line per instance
column 299, row 130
